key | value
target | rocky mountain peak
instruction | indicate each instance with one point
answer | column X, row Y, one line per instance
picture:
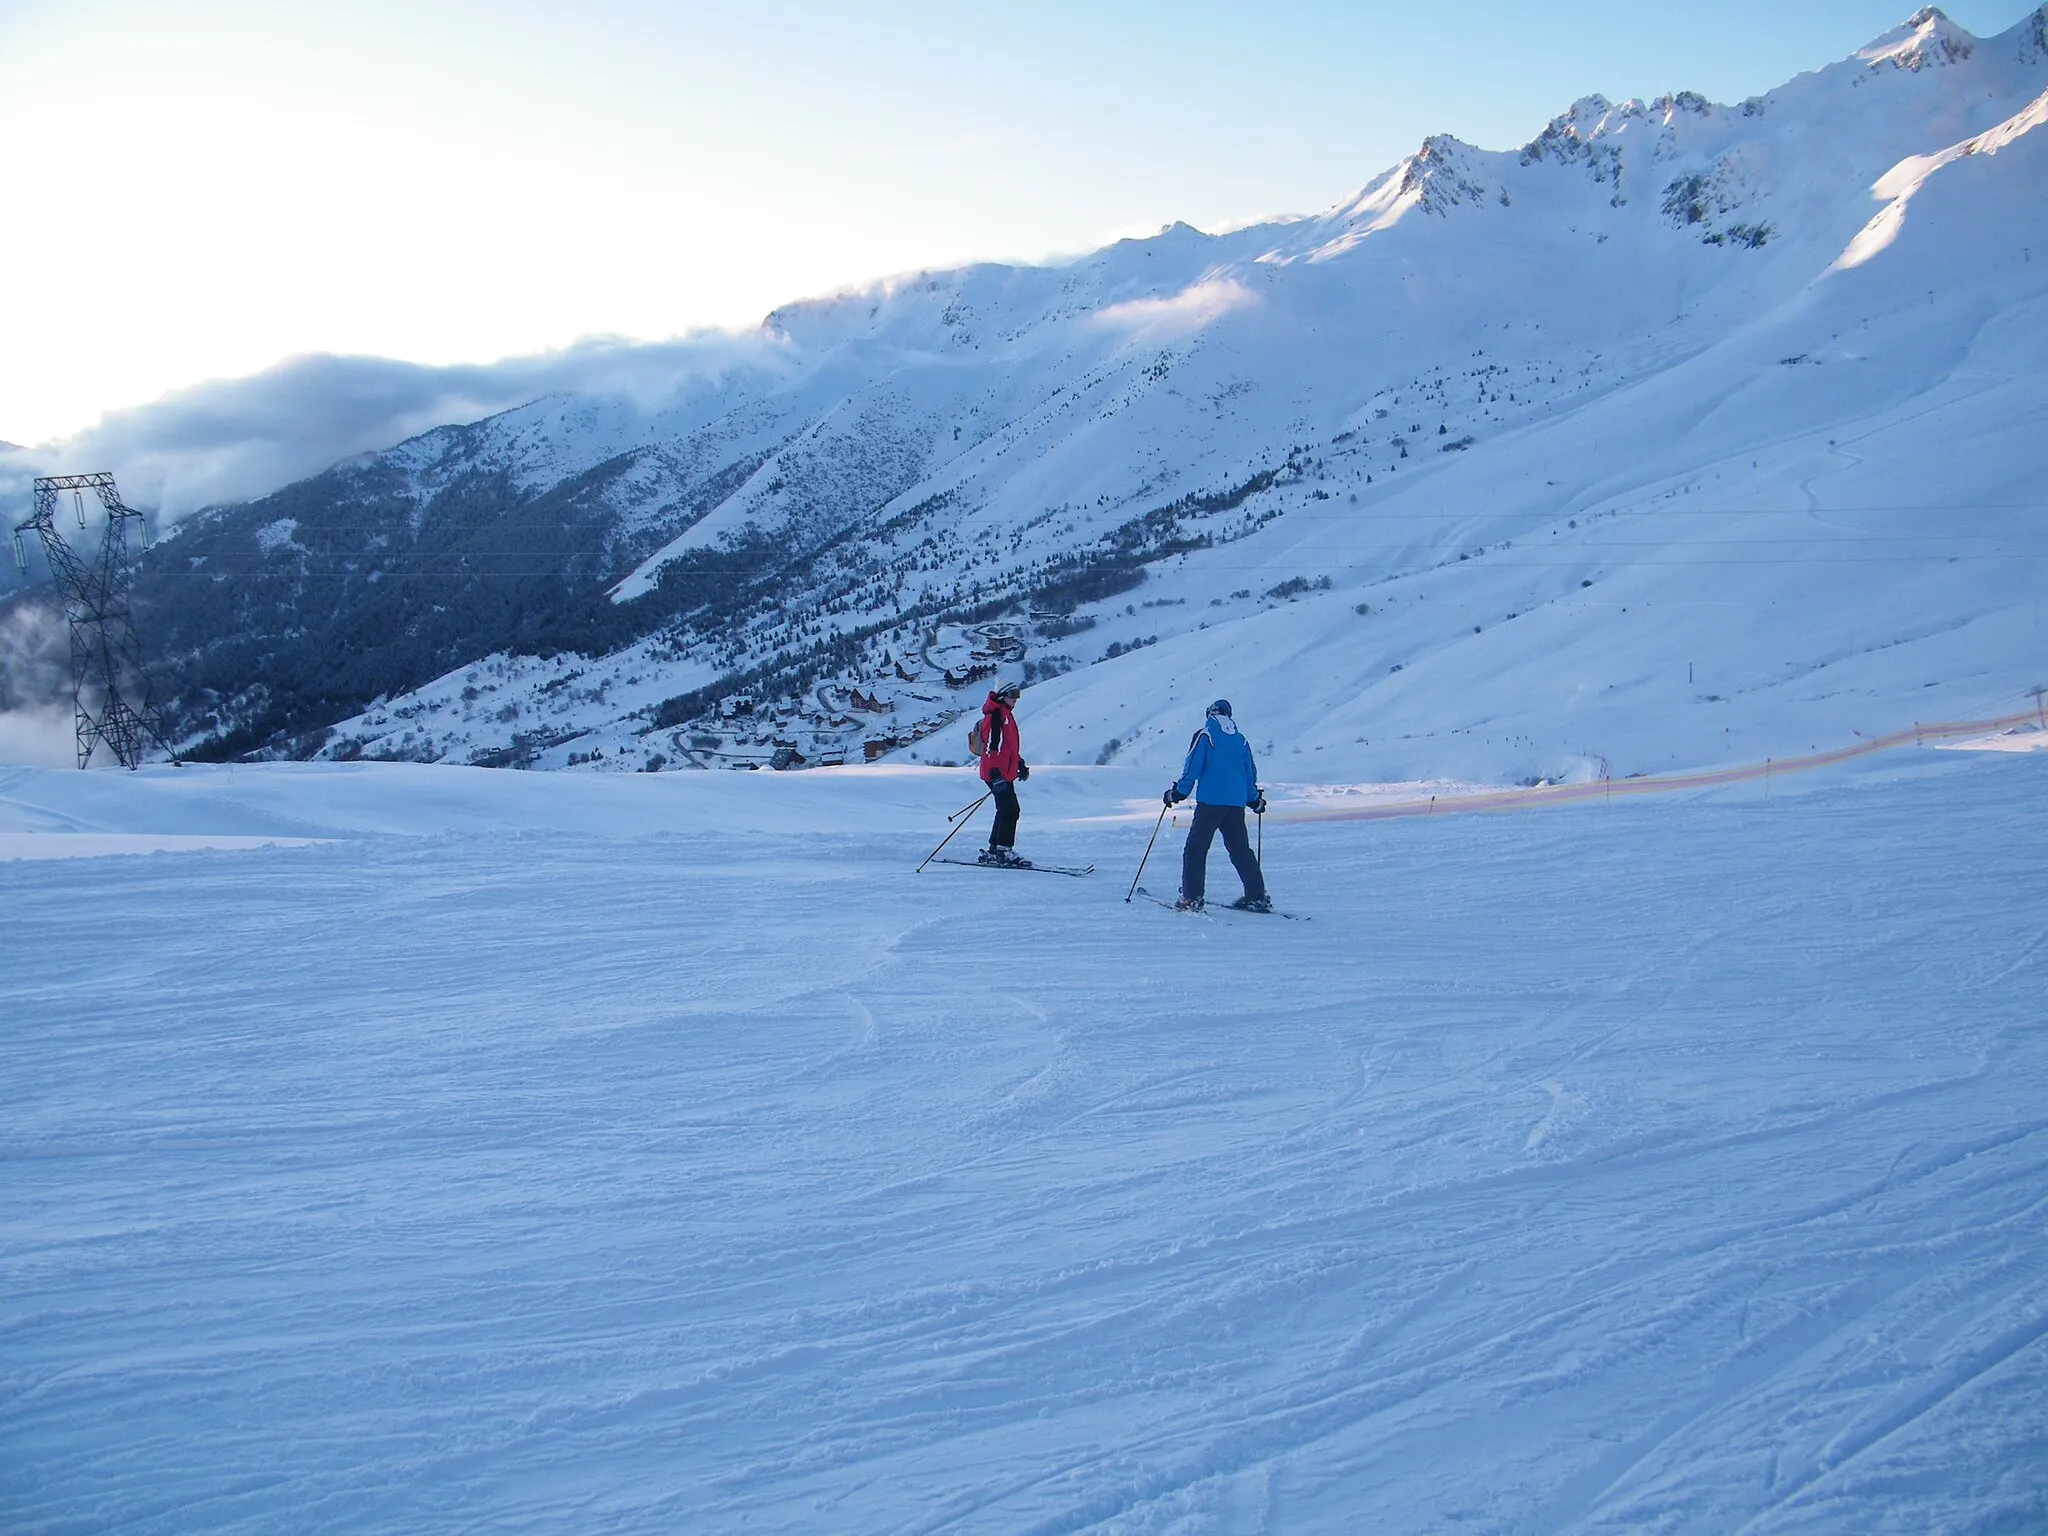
column 1928, row 40
column 1444, row 172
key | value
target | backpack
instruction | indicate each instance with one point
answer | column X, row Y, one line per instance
column 977, row 737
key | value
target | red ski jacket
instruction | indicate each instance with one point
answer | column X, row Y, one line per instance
column 1003, row 756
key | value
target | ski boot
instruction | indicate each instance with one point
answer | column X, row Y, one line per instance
column 1253, row 904
column 1188, row 904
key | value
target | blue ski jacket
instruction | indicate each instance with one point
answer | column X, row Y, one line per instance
column 1220, row 762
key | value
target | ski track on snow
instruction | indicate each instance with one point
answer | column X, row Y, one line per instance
column 1655, row 1167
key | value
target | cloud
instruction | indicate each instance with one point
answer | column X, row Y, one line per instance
column 234, row 439
column 35, row 688
column 35, row 656
column 1193, row 307
column 38, row 738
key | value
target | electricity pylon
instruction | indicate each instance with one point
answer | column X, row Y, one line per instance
column 109, row 689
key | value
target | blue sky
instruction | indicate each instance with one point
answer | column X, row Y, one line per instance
column 457, row 182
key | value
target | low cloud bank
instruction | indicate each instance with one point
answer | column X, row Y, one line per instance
column 38, row 738
column 36, row 726
column 1198, row 305
column 233, row 439
column 35, row 658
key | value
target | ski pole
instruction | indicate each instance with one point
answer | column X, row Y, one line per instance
column 970, row 809
column 1262, row 840
column 946, row 839
column 1148, row 854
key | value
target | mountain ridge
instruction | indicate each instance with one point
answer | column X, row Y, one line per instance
column 930, row 450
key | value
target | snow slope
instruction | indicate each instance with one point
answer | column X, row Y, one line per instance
column 650, row 1153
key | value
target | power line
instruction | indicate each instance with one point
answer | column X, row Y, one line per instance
column 106, row 658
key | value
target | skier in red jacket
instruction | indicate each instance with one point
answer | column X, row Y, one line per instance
column 1003, row 768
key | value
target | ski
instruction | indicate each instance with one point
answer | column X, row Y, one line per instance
column 1160, row 901
column 1205, row 910
column 1043, row 869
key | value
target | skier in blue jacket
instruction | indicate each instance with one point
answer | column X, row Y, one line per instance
column 1220, row 774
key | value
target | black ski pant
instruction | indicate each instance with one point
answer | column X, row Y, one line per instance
column 1194, row 858
column 1005, row 833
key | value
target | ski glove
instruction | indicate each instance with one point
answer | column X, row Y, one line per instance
column 1258, row 806
column 1173, row 795
column 1023, row 770
column 997, row 784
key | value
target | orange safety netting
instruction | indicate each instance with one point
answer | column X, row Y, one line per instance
column 1652, row 784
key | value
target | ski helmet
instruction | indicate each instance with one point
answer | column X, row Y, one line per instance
column 1220, row 707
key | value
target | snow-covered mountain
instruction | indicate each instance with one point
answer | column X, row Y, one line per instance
column 1684, row 432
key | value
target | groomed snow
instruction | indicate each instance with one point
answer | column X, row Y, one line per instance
column 658, row 1153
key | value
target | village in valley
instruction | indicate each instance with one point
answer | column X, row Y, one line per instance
column 845, row 720
column 563, row 714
